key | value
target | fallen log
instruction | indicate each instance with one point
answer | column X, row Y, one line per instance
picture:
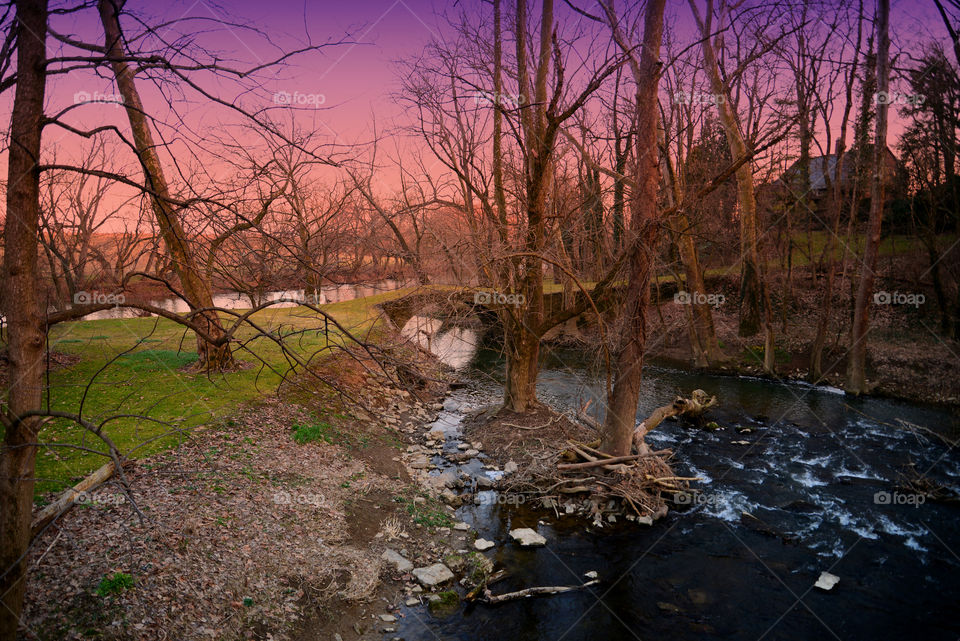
column 607, row 461
column 597, row 453
column 473, row 594
column 528, row 592
column 692, row 407
column 70, row 496
column 576, row 489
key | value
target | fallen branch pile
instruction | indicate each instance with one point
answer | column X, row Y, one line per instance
column 602, row 487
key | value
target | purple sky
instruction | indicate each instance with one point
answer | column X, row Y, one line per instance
column 352, row 83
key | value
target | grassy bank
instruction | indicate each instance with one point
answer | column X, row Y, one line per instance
column 141, row 367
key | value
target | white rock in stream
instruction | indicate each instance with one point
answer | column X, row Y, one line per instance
column 483, row 544
column 826, row 581
column 420, row 463
column 527, row 537
column 396, row 559
column 433, row 575
column 461, row 526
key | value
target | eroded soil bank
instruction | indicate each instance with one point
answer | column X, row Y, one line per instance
column 269, row 525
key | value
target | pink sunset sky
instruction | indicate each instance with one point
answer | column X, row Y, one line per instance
column 344, row 90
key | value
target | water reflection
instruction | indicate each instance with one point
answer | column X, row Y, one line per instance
column 292, row 297
column 453, row 345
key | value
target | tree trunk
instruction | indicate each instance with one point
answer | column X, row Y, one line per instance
column 826, row 302
column 25, row 322
column 523, row 327
column 617, row 433
column 836, row 206
column 702, row 315
column 753, row 296
column 195, row 287
column 523, row 353
column 703, row 334
column 856, row 367
column 620, row 165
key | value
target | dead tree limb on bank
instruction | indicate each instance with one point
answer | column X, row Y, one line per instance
column 71, row 496
column 692, row 407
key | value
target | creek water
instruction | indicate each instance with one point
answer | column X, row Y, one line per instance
column 817, row 467
column 291, row 297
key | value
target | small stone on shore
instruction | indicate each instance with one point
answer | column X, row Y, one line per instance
column 483, row 544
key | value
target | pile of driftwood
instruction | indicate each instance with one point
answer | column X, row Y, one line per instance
column 602, row 487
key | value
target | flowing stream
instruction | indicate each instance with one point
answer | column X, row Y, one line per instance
column 819, row 468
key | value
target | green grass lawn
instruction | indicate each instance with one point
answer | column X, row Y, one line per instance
column 141, row 367
column 809, row 246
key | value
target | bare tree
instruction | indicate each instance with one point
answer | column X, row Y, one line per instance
column 507, row 200
column 643, row 235
column 856, row 365
column 835, row 204
column 26, row 338
column 195, row 287
column 755, row 312
column 77, row 218
column 26, row 318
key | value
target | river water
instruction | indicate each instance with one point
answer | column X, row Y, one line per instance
column 817, row 467
column 291, row 297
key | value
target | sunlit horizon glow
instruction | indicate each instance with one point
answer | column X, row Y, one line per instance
column 346, row 92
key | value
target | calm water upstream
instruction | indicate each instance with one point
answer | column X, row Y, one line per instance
column 811, row 471
column 291, row 297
